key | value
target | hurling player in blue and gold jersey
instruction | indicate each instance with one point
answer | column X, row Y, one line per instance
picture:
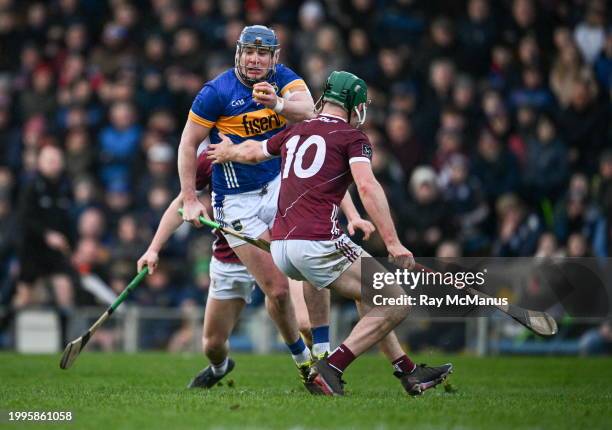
column 253, row 100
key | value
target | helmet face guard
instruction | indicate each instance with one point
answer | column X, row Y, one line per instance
column 260, row 38
column 348, row 91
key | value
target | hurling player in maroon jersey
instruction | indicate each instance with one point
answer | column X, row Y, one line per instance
column 230, row 286
column 321, row 157
column 231, row 283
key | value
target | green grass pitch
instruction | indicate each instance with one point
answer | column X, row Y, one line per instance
column 147, row 391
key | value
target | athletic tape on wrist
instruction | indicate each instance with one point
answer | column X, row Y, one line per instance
column 280, row 104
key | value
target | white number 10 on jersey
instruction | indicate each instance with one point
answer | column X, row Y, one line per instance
column 298, row 167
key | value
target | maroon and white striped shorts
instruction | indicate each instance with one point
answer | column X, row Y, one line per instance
column 319, row 262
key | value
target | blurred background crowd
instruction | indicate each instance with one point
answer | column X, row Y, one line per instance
column 489, row 120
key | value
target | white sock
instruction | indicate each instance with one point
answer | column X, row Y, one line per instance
column 302, row 357
column 219, row 369
column 319, row 349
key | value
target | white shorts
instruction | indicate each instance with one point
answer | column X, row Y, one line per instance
column 230, row 281
column 319, row 262
column 251, row 213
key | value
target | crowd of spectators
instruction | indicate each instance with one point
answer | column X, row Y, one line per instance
column 489, row 120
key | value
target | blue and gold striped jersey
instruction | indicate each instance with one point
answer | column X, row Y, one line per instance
column 226, row 105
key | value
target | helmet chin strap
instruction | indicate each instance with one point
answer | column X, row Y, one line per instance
column 361, row 120
column 318, row 107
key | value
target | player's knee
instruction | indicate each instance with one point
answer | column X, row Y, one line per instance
column 212, row 344
column 278, row 294
column 276, row 288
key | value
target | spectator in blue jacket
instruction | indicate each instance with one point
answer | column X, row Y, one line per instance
column 119, row 144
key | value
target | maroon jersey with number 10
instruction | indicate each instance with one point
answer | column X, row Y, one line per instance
column 315, row 174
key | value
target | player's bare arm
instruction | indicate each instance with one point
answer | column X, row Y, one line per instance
column 355, row 222
column 192, row 135
column 168, row 224
column 296, row 105
column 376, row 205
column 248, row 152
column 170, row 221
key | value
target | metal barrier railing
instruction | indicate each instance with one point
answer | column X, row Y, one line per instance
column 134, row 328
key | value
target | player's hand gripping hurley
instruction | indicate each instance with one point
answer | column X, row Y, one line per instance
column 260, row 243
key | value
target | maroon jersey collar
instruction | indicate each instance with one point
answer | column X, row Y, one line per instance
column 333, row 116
